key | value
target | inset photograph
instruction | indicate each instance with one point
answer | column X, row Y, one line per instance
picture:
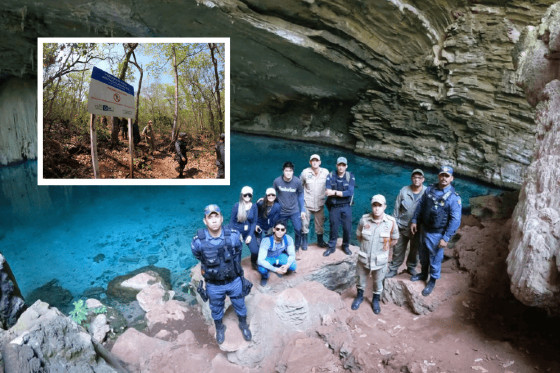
column 133, row 111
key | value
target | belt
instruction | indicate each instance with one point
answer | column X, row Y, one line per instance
column 434, row 230
column 220, row 282
column 340, row 204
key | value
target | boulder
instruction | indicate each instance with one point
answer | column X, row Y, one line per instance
column 494, row 207
column 125, row 288
column 403, row 292
column 43, row 339
column 11, row 302
column 159, row 306
column 533, row 262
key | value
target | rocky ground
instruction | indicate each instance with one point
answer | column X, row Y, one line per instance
column 303, row 321
column 67, row 155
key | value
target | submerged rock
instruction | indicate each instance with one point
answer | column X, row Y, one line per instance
column 53, row 294
column 125, row 288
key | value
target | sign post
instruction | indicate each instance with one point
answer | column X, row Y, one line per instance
column 108, row 95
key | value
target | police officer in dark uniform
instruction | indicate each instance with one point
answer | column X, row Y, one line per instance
column 340, row 193
column 439, row 213
column 181, row 149
column 220, row 156
column 219, row 252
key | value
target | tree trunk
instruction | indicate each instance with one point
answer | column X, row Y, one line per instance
column 122, row 74
column 176, row 114
column 219, row 100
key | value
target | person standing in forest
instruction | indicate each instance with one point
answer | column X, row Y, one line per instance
column 148, row 133
column 220, row 156
column 181, row 149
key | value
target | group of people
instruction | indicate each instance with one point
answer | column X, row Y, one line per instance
column 424, row 217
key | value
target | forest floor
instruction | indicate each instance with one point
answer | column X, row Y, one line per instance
column 67, row 155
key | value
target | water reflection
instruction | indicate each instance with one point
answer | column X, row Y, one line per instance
column 85, row 236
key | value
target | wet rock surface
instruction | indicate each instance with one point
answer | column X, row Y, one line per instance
column 11, row 301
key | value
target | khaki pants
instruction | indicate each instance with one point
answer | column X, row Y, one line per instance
column 362, row 274
column 319, row 217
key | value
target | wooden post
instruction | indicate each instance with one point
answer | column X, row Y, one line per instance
column 131, row 147
column 93, row 138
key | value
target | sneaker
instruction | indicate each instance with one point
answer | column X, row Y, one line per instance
column 391, row 273
column 264, row 281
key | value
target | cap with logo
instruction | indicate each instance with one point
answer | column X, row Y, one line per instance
column 446, row 170
column 379, row 199
column 211, row 209
column 341, row 160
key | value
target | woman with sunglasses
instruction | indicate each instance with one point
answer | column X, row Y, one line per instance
column 269, row 213
column 244, row 220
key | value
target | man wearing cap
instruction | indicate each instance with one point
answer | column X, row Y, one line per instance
column 377, row 233
column 148, row 133
column 405, row 205
column 340, row 194
column 313, row 179
column 439, row 214
column 219, row 252
column 276, row 254
column 289, row 192
column 181, row 150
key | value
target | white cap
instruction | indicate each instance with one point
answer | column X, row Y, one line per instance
column 314, row 156
column 270, row 191
column 247, row 189
column 379, row 199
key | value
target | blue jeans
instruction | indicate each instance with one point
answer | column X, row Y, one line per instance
column 296, row 222
column 340, row 215
column 275, row 261
column 217, row 296
column 431, row 255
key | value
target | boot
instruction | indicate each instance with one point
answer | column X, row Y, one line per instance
column 328, row 252
column 375, row 304
column 422, row 276
column 346, row 250
column 321, row 242
column 220, row 331
column 429, row 287
column 391, row 273
column 358, row 300
column 304, row 241
column 244, row 328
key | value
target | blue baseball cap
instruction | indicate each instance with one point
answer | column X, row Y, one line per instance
column 341, row 160
column 446, row 170
column 210, row 209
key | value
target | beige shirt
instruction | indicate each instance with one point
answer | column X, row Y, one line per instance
column 376, row 240
column 314, row 188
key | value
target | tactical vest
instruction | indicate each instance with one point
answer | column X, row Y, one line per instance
column 275, row 252
column 220, row 264
column 437, row 210
column 331, row 201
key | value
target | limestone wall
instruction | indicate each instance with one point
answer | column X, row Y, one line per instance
column 18, row 121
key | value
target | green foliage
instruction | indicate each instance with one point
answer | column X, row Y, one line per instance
column 79, row 313
column 100, row 310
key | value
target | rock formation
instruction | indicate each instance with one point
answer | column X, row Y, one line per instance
column 11, row 301
column 44, row 340
column 423, row 81
column 534, row 258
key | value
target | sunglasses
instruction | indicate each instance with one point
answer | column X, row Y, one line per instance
column 280, row 229
column 271, row 195
column 248, row 195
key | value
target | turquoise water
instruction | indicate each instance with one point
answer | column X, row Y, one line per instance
column 85, row 236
